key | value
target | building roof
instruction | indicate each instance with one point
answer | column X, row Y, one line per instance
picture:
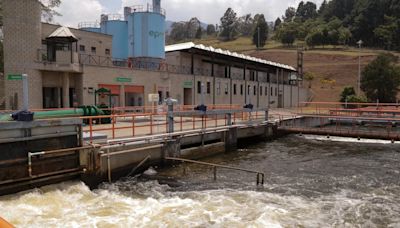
column 190, row 45
column 63, row 33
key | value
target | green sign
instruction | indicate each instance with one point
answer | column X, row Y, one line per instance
column 188, row 84
column 14, row 77
column 123, row 79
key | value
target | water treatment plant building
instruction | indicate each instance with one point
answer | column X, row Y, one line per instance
column 126, row 56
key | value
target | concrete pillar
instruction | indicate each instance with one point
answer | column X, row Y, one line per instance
column 231, row 139
column 59, row 98
column 122, row 96
column 66, row 90
column 171, row 148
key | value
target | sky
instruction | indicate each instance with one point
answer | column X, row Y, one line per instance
column 208, row 11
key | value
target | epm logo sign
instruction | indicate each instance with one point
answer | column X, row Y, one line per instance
column 156, row 34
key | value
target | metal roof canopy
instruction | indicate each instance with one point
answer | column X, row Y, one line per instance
column 235, row 55
column 62, row 33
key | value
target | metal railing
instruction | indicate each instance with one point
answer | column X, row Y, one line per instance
column 147, row 8
column 260, row 175
column 339, row 125
column 85, row 24
column 134, row 125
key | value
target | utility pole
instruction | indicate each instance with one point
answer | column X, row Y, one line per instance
column 258, row 38
column 360, row 42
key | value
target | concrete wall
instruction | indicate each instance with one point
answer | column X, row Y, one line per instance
column 22, row 39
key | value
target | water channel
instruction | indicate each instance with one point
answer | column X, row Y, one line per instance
column 310, row 182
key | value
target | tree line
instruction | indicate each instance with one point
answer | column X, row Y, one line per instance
column 342, row 22
column 230, row 28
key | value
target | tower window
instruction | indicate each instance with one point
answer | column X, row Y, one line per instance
column 93, row 50
column 82, row 48
column 108, row 51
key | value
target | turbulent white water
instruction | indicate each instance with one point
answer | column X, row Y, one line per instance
column 308, row 185
column 74, row 205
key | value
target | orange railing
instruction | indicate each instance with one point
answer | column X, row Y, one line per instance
column 132, row 125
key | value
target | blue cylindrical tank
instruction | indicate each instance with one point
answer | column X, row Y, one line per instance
column 146, row 32
column 119, row 30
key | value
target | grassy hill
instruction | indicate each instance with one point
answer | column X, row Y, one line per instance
column 339, row 64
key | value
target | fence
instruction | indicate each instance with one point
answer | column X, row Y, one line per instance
column 133, row 125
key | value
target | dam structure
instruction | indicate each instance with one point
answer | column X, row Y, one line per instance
column 96, row 101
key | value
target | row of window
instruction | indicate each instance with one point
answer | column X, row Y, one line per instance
column 261, row 89
column 93, row 50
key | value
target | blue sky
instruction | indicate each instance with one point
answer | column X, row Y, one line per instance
column 208, row 11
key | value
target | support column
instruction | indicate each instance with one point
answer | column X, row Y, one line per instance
column 122, row 96
column 66, row 90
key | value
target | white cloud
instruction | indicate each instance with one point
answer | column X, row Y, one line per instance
column 76, row 11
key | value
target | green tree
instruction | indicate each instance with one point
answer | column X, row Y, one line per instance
column 381, row 79
column 178, row 32
column 290, row 13
column 346, row 93
column 245, row 25
column 199, row 33
column 211, row 29
column 287, row 33
column 388, row 33
column 306, row 11
column 260, row 33
column 277, row 23
column 48, row 11
column 229, row 25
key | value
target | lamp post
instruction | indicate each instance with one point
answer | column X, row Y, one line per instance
column 360, row 42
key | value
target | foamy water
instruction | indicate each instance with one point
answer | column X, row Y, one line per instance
column 304, row 189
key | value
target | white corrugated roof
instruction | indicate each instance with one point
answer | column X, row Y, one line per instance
column 189, row 45
column 62, row 32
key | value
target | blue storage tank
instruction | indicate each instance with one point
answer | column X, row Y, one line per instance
column 90, row 26
column 146, row 32
column 119, row 30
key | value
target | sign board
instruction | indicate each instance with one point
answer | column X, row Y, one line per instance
column 121, row 79
column 187, row 84
column 14, row 77
column 154, row 97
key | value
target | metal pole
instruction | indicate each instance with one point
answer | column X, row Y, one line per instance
column 359, row 67
column 202, row 93
column 25, row 92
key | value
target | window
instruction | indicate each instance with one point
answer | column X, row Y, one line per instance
column 266, row 91
column 167, row 95
column 93, row 50
column 108, row 51
column 82, row 48
column 272, row 92
column 226, row 72
column 219, row 88
column 252, row 75
column 199, row 87
column 234, row 89
column 255, row 90
column 248, row 90
column 226, row 88
column 208, row 87
column 261, row 90
column 241, row 89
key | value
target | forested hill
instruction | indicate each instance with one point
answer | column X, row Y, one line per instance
column 375, row 22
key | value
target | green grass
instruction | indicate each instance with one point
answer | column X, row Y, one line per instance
column 244, row 44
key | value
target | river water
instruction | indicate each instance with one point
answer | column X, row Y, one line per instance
column 309, row 183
